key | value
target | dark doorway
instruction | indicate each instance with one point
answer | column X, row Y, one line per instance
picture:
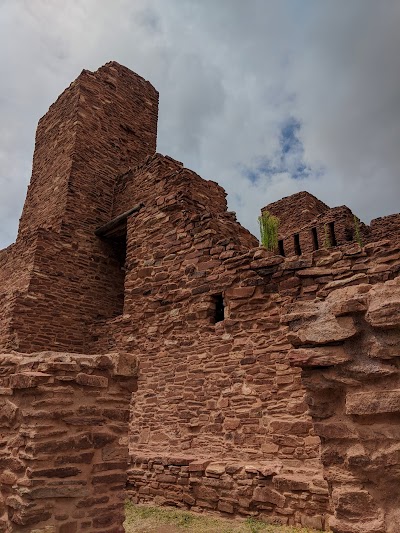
column 315, row 238
column 332, row 237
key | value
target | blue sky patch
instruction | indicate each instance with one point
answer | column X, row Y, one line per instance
column 289, row 158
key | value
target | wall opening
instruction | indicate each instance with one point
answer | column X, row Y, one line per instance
column 297, row 248
column 315, row 238
column 218, row 308
column 281, row 248
column 114, row 243
column 118, row 247
column 332, row 237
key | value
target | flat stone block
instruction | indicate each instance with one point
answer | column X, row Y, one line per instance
column 371, row 403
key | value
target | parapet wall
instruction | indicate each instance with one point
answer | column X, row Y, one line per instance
column 295, row 211
column 64, row 428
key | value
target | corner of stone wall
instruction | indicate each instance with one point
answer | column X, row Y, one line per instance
column 64, row 447
column 348, row 345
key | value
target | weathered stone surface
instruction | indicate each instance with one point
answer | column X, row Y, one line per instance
column 46, row 479
column 370, row 403
column 356, row 455
column 325, row 331
column 8, row 413
column 265, row 494
column 349, row 300
column 91, row 381
column 384, row 305
column 322, row 356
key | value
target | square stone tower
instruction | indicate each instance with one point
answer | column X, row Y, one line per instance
column 59, row 277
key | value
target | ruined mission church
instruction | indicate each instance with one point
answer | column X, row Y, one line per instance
column 151, row 349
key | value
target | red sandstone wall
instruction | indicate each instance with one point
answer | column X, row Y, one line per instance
column 348, row 343
column 54, row 149
column 343, row 228
column 103, row 123
column 14, row 281
column 219, row 419
column 295, row 211
column 72, row 285
column 304, row 225
column 385, row 228
column 149, row 182
column 63, row 454
column 217, row 404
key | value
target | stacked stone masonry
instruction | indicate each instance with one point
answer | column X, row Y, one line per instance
column 226, row 374
column 306, row 224
column 63, row 449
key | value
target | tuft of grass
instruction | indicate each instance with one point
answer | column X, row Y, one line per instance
column 269, row 231
column 357, row 230
column 150, row 519
column 327, row 237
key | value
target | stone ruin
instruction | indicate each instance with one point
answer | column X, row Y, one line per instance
column 151, row 349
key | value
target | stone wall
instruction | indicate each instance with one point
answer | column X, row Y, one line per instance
column 306, row 224
column 63, row 450
column 295, row 211
column 59, row 279
column 281, row 495
column 103, row 123
column 223, row 393
column 14, row 281
column 72, row 284
column 385, row 228
column 335, row 227
column 351, row 372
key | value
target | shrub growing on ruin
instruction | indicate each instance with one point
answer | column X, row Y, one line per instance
column 357, row 232
column 269, row 231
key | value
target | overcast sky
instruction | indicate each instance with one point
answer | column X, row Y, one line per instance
column 267, row 97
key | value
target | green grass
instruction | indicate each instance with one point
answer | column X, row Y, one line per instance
column 269, row 231
column 146, row 519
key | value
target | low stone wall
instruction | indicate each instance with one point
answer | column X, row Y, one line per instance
column 281, row 495
column 63, row 445
column 349, row 348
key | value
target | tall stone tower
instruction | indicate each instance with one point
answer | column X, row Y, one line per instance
column 102, row 124
column 59, row 277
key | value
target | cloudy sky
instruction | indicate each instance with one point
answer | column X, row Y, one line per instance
column 267, row 97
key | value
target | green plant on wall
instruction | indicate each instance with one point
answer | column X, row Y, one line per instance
column 269, row 231
column 357, row 232
column 327, row 237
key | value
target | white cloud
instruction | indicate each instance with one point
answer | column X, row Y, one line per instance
column 230, row 74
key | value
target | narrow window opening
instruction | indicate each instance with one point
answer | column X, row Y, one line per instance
column 297, row 249
column 219, row 308
column 281, row 248
column 315, row 238
column 332, row 236
column 118, row 246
